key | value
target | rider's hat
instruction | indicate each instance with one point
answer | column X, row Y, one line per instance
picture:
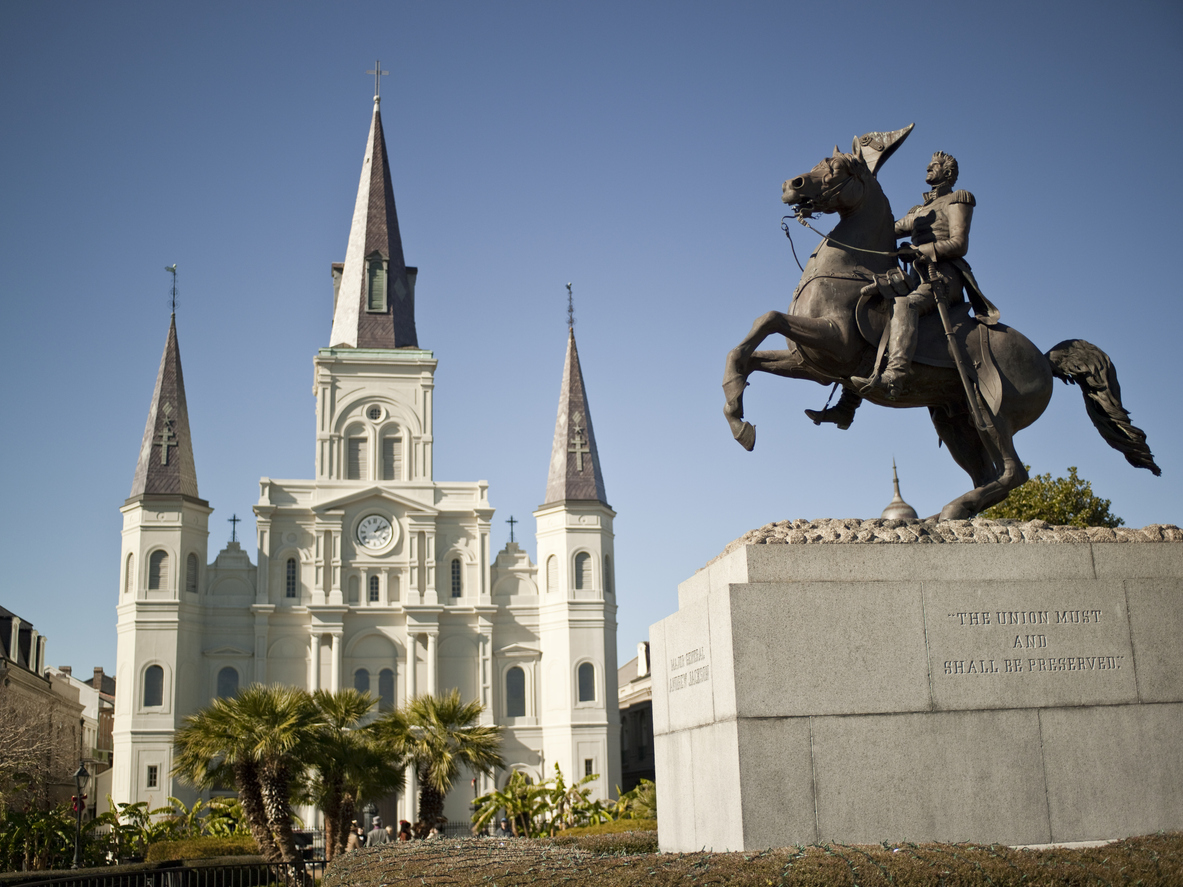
column 876, row 147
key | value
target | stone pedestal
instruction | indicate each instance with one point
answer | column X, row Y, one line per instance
column 986, row 683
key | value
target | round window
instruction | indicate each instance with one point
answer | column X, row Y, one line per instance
column 375, row 413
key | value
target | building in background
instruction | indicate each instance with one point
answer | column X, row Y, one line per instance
column 97, row 696
column 372, row 574
column 42, row 725
column 635, row 700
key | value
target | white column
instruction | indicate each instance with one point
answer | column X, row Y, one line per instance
column 314, row 677
column 412, row 655
column 335, row 676
column 432, row 637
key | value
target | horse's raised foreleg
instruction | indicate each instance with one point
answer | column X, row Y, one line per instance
column 742, row 361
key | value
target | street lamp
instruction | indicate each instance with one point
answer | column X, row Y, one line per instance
column 80, row 779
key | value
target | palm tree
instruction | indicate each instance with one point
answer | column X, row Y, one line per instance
column 348, row 764
column 262, row 738
column 437, row 735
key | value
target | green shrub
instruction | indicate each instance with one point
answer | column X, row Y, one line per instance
column 202, row 848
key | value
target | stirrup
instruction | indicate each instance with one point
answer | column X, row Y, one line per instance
column 890, row 382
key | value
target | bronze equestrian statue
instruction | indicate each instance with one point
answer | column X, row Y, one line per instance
column 981, row 380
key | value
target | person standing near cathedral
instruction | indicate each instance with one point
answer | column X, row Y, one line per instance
column 377, row 835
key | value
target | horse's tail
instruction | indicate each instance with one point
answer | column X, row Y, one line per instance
column 1077, row 362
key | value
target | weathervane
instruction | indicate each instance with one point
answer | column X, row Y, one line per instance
column 570, row 309
column 377, row 72
column 511, row 522
column 172, row 269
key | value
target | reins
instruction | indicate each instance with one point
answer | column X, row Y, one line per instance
column 803, row 218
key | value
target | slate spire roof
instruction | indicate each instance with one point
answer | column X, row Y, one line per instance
column 374, row 234
column 166, row 454
column 574, row 459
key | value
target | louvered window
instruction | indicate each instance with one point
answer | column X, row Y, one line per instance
column 191, row 576
column 456, row 586
column 158, row 570
column 552, row 573
column 515, row 693
column 392, row 458
column 386, row 689
column 129, row 576
column 583, row 571
column 375, row 283
column 153, row 686
column 292, row 586
column 587, row 682
column 607, row 575
column 356, row 469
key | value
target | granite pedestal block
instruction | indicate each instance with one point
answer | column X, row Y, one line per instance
column 993, row 687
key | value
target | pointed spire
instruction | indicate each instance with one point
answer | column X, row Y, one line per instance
column 574, row 459
column 166, row 454
column 897, row 508
column 375, row 304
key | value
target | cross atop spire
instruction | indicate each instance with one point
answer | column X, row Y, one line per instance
column 378, row 73
column 574, row 459
column 570, row 309
column 172, row 269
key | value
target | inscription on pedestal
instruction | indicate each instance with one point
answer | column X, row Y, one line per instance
column 696, row 661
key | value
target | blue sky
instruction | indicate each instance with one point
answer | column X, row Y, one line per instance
column 635, row 149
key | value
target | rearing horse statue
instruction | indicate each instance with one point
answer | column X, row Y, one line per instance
column 834, row 327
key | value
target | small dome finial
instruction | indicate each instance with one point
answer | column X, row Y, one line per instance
column 898, row 509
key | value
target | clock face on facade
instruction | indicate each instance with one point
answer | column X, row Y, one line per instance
column 375, row 532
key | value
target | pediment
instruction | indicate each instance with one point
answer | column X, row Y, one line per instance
column 519, row 651
column 228, row 650
column 375, row 492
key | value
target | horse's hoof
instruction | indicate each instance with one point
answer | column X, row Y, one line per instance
column 747, row 436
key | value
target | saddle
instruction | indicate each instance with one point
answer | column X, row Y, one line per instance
column 932, row 347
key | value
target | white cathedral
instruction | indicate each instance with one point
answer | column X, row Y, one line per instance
column 373, row 575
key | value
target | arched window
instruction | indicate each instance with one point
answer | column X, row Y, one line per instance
column 375, row 282
column 456, row 587
column 361, row 681
column 608, row 575
column 158, row 570
column 191, row 574
column 386, row 689
column 583, row 571
column 227, row 682
column 353, row 586
column 552, row 573
column 129, row 581
column 373, row 589
column 392, row 458
column 515, row 693
column 154, row 686
column 587, row 682
column 292, row 579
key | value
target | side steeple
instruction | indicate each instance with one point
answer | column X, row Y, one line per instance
column 374, row 300
column 166, row 463
column 574, row 460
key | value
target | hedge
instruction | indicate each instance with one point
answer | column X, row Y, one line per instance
column 205, row 847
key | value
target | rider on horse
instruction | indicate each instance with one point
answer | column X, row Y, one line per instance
column 939, row 228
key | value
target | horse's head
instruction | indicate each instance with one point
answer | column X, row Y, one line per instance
column 839, row 182
column 834, row 185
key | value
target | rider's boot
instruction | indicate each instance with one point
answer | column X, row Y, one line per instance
column 901, row 345
column 841, row 414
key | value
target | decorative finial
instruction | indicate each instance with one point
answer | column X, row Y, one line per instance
column 233, row 521
column 570, row 309
column 172, row 269
column 377, row 72
column 897, row 508
column 511, row 522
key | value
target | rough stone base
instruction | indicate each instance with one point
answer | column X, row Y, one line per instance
column 861, row 692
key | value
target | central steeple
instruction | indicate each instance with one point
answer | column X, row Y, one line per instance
column 374, row 303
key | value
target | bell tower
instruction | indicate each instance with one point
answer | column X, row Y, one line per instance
column 577, row 613
column 162, row 566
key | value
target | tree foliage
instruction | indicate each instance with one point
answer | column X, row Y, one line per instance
column 1064, row 501
column 543, row 808
column 438, row 735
